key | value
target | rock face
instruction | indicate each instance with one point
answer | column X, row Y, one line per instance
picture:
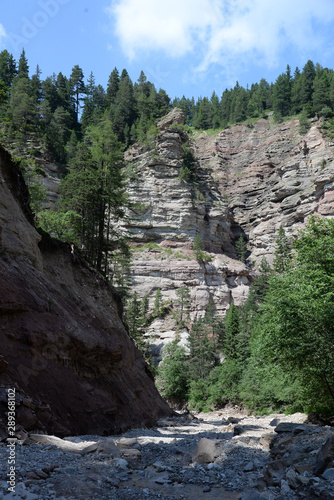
column 271, row 176
column 63, row 346
column 249, row 181
column 168, row 214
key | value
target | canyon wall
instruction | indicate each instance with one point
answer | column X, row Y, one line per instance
column 63, row 348
column 249, row 180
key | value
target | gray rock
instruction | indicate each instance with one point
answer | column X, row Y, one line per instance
column 207, row 451
column 325, row 456
column 274, row 422
column 249, row 467
column 290, row 427
column 328, row 474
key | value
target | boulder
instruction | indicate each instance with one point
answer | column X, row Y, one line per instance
column 208, row 450
column 325, row 456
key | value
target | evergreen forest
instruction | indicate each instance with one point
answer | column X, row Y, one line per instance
column 274, row 352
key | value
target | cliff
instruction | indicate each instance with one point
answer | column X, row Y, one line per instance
column 271, row 176
column 63, row 346
column 248, row 181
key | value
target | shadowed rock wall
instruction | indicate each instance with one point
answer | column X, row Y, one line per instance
column 63, row 346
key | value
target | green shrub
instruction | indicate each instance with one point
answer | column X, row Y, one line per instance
column 172, row 376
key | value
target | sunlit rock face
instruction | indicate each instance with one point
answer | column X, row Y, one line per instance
column 63, row 347
column 250, row 180
column 168, row 213
column 271, row 176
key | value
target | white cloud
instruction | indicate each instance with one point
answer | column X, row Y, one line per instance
column 223, row 32
column 172, row 26
column 2, row 34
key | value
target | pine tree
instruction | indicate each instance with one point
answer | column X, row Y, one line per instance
column 144, row 308
column 123, row 111
column 198, row 246
column 77, row 87
column 172, row 378
column 94, row 190
column 304, row 124
column 23, row 106
column 23, row 67
column 203, row 350
column 282, row 252
column 113, row 86
column 321, row 90
column 231, row 326
column 36, row 85
column 183, row 304
column 241, row 249
column 296, row 105
column 7, row 68
column 157, row 310
column 133, row 319
column 240, row 105
column 282, row 96
column 307, row 79
column 49, row 90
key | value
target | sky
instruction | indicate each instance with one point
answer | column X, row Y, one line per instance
column 186, row 47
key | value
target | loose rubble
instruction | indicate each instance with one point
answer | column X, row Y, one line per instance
column 225, row 454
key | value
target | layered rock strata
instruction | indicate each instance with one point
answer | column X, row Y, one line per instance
column 249, row 181
column 63, row 346
column 271, row 176
column 169, row 213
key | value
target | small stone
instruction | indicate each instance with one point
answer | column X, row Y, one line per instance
column 126, row 442
column 291, row 478
column 325, row 455
column 274, row 422
column 131, row 453
column 42, row 474
column 266, row 440
column 249, row 467
column 161, row 480
column 213, row 465
column 206, row 489
column 328, row 474
column 238, row 430
column 113, row 481
column 120, row 462
column 285, row 488
column 160, row 466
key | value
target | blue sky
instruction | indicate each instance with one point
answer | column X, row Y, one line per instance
column 186, row 47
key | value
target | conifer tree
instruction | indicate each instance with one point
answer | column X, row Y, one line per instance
column 7, row 68
column 23, row 67
column 77, row 87
column 231, row 325
column 241, row 249
column 157, row 310
column 183, row 304
column 282, row 252
column 113, row 86
column 133, row 319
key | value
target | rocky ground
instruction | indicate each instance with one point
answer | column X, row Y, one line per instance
column 225, row 454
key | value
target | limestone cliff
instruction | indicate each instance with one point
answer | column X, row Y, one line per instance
column 63, row 345
column 249, row 180
column 169, row 212
column 271, row 176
